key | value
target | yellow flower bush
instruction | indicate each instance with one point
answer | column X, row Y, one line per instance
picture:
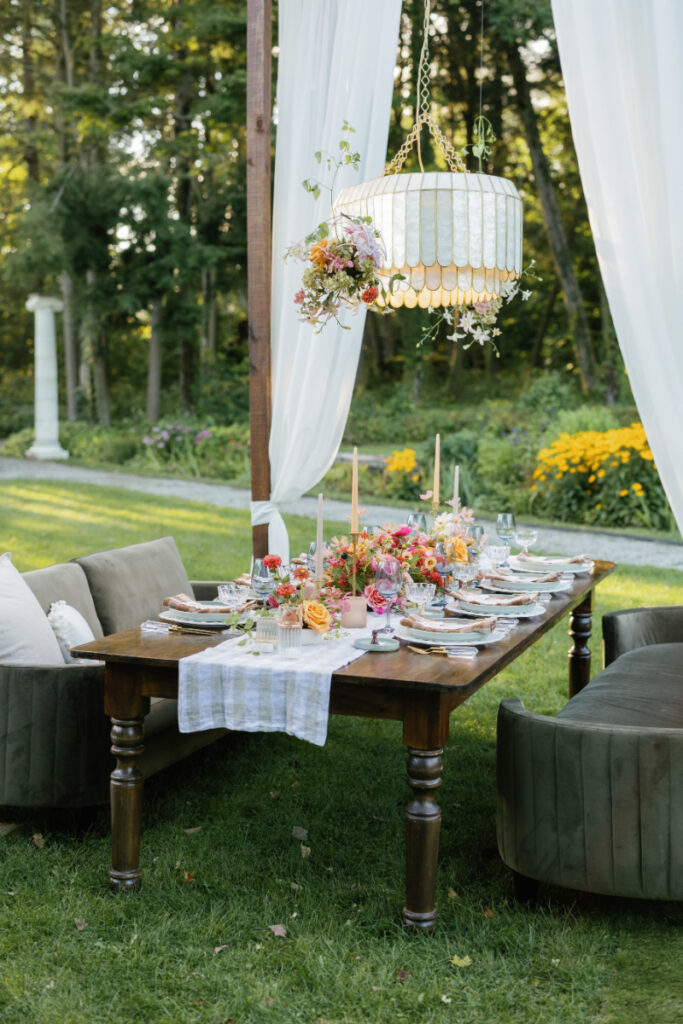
column 604, row 476
column 402, row 474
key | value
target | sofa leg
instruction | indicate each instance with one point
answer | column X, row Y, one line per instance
column 526, row 889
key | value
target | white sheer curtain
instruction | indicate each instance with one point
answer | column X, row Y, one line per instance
column 336, row 63
column 623, row 72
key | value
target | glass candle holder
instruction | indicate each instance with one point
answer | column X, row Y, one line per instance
column 290, row 630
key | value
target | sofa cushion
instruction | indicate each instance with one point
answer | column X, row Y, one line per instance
column 65, row 581
column 641, row 688
column 26, row 637
column 70, row 628
column 129, row 584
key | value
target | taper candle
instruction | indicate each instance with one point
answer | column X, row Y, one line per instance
column 456, row 489
column 319, row 541
column 437, row 469
column 354, row 493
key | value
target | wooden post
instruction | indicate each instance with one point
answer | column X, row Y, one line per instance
column 259, row 43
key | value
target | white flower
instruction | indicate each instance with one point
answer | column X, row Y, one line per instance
column 496, row 331
column 467, row 321
column 446, row 999
column 447, row 316
column 456, row 337
column 526, row 295
column 480, row 335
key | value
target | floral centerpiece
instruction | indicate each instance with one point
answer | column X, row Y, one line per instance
column 287, row 596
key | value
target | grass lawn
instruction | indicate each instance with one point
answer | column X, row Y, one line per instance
column 221, row 864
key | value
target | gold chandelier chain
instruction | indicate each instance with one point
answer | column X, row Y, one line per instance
column 423, row 115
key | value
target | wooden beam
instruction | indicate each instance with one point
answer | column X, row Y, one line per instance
column 259, row 45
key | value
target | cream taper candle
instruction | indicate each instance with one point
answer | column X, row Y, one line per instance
column 456, row 489
column 437, row 468
column 354, row 493
column 319, row 541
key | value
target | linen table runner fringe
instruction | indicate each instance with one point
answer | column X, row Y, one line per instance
column 228, row 687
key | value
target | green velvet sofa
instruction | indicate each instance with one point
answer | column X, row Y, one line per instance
column 54, row 735
column 592, row 799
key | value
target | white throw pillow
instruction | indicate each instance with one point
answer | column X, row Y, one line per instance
column 70, row 628
column 26, row 637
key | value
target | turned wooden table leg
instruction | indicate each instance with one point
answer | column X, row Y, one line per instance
column 125, row 789
column 580, row 624
column 423, row 825
column 126, row 707
column 425, row 733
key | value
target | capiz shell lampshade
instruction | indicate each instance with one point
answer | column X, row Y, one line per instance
column 456, row 238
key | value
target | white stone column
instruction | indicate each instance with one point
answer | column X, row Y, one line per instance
column 46, row 444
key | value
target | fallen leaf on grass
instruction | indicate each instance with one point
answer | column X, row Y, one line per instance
column 269, row 1001
column 81, row 924
column 374, row 988
column 489, row 913
column 274, row 793
column 278, row 930
column 305, row 851
column 460, row 961
column 299, row 833
column 38, row 840
column 7, row 826
column 295, row 887
column 188, row 876
column 402, row 975
column 219, row 949
column 446, row 999
column 192, row 831
column 295, row 784
column 452, row 895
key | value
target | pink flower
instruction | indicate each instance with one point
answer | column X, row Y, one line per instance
column 300, row 296
column 273, row 601
column 374, row 598
column 482, row 307
column 427, row 496
column 402, row 531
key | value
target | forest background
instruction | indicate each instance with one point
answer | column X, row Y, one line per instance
column 122, row 161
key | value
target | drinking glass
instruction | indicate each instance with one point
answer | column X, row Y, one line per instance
column 444, row 552
column 526, row 537
column 310, row 558
column 417, row 521
column 420, row 594
column 388, row 580
column 231, row 595
column 261, row 581
column 506, row 529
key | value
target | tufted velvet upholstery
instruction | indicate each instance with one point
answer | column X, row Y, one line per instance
column 593, row 798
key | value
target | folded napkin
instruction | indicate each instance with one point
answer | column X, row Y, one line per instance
column 548, row 577
column 493, row 600
column 185, row 603
column 244, row 580
column 444, row 626
column 552, row 560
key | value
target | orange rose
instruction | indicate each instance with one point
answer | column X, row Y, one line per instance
column 460, row 550
column 316, row 616
column 319, row 253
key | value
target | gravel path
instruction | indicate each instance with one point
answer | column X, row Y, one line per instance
column 567, row 541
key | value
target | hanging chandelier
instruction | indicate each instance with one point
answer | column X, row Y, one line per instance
column 454, row 236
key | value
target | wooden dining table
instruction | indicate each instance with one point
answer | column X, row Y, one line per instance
column 419, row 691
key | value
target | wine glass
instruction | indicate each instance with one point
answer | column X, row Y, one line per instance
column 388, row 580
column 526, row 537
column 417, row 521
column 310, row 558
column 444, row 552
column 476, row 532
column 506, row 529
column 261, row 581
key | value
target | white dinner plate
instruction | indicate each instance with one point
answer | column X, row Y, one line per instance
column 524, row 586
column 547, row 565
column 419, row 636
column 201, row 620
column 518, row 611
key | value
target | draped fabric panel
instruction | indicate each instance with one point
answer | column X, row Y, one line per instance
column 623, row 73
column 336, row 63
